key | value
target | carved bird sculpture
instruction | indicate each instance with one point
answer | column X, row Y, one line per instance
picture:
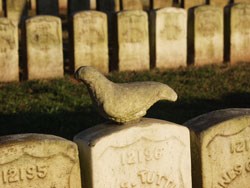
column 122, row 102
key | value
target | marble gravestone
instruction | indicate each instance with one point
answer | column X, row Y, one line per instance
column 16, row 10
column 150, row 153
column 187, row 4
column 44, row 47
column 91, row 40
column 132, row 5
column 9, row 67
column 133, row 41
column 171, row 37
column 209, row 35
column 240, row 33
column 220, row 149
column 38, row 161
column 156, row 4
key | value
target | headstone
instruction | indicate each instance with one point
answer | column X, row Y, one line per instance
column 241, row 1
column 187, row 4
column 38, row 161
column 133, row 40
column 209, row 35
column 171, row 37
column 47, row 7
column 150, row 153
column 63, row 6
column 9, row 68
column 135, row 4
column 240, row 33
column 44, row 47
column 108, row 5
column 91, row 40
column 220, row 3
column 220, row 149
column 16, row 10
column 156, row 4
column 1, row 8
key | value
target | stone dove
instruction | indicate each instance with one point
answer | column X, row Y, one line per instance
column 122, row 102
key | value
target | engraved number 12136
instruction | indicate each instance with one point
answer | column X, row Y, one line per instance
column 140, row 156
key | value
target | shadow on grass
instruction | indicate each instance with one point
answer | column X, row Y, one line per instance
column 68, row 124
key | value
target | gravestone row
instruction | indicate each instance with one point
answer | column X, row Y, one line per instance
column 150, row 153
column 164, row 38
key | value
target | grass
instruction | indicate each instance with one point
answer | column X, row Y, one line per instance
column 62, row 107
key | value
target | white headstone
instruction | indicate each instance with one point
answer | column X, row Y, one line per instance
column 171, row 37
column 9, row 68
column 16, row 10
column 38, row 161
column 150, row 153
column 44, row 47
column 133, row 40
column 240, row 33
column 209, row 35
column 220, row 149
column 91, row 40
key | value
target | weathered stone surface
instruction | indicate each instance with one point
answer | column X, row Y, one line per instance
column 171, row 37
column 16, row 10
column 156, row 4
column 220, row 149
column 47, row 7
column 240, row 33
column 135, row 4
column 133, row 41
column 220, row 3
column 9, row 69
column 38, row 161
column 123, row 102
column 91, row 40
column 192, row 3
column 44, row 47
column 151, row 153
column 108, row 5
column 208, row 41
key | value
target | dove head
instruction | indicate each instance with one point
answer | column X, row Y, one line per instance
column 90, row 76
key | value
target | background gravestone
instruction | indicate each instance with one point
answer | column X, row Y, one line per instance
column 91, row 40
column 208, row 29
column 44, row 47
column 1, row 8
column 38, row 161
column 156, row 4
column 16, row 10
column 133, row 40
column 220, row 149
column 108, row 5
column 241, row 1
column 47, row 7
column 192, row 3
column 171, row 37
column 151, row 153
column 8, row 51
column 240, row 33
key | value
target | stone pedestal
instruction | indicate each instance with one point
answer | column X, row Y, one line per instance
column 38, row 161
column 150, row 153
column 220, row 149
